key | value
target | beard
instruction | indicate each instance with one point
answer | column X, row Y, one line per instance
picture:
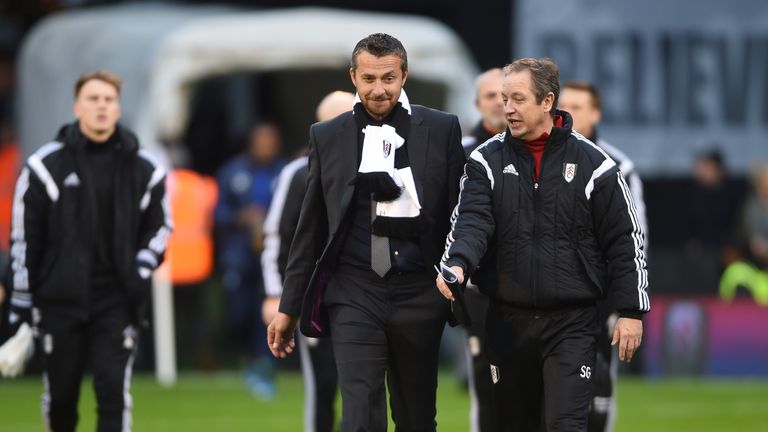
column 497, row 123
column 379, row 108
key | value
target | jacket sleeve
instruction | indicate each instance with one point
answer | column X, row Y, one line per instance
column 155, row 224
column 456, row 160
column 310, row 236
column 472, row 222
column 620, row 235
column 31, row 204
column 279, row 226
column 635, row 184
column 291, row 212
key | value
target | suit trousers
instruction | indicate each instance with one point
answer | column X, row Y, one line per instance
column 543, row 365
column 107, row 342
column 386, row 329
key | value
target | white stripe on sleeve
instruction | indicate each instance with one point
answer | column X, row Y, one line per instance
column 36, row 163
column 637, row 238
column 607, row 164
column 127, row 425
column 157, row 175
column 310, row 387
column 273, row 284
column 602, row 169
column 476, row 155
column 44, row 175
column 18, row 235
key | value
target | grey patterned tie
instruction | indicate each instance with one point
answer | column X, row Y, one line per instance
column 380, row 260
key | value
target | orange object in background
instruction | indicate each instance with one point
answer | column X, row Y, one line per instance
column 190, row 246
column 10, row 160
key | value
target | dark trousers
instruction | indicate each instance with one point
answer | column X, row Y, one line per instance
column 483, row 409
column 389, row 328
column 244, row 289
column 602, row 410
column 318, row 366
column 544, row 364
column 107, row 343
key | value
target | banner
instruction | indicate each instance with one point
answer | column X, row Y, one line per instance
column 705, row 336
column 677, row 77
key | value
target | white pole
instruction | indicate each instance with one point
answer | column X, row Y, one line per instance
column 165, row 340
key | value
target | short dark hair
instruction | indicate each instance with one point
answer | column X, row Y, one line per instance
column 101, row 75
column 263, row 123
column 380, row 45
column 588, row 87
column 713, row 155
column 544, row 74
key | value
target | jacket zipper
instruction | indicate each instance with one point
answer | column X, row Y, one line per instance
column 536, row 211
column 534, row 255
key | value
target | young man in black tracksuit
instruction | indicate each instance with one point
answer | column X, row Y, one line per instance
column 318, row 364
column 582, row 100
column 90, row 224
column 548, row 216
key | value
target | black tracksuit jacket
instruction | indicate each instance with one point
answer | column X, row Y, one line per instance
column 54, row 220
column 565, row 240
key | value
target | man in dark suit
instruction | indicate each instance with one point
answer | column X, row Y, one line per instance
column 383, row 180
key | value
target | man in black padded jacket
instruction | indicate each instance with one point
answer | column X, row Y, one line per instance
column 548, row 215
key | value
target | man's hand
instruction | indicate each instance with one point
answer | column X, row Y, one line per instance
column 443, row 287
column 280, row 334
column 250, row 216
column 269, row 309
column 628, row 333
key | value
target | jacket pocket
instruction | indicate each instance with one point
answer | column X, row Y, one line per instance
column 592, row 273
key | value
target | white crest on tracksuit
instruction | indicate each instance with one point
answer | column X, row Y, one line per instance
column 569, row 171
column 495, row 375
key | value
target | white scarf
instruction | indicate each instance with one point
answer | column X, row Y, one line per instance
column 379, row 146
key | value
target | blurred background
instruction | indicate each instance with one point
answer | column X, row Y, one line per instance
column 685, row 96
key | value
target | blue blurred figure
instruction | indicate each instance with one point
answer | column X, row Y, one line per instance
column 246, row 184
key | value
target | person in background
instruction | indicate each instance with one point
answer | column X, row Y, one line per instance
column 246, row 184
column 489, row 105
column 711, row 213
column 382, row 182
column 318, row 365
column 755, row 218
column 582, row 101
column 190, row 263
column 750, row 272
column 90, row 224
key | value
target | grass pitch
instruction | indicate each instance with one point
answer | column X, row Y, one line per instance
column 220, row 403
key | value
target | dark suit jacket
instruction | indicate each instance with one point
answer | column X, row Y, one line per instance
column 436, row 159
